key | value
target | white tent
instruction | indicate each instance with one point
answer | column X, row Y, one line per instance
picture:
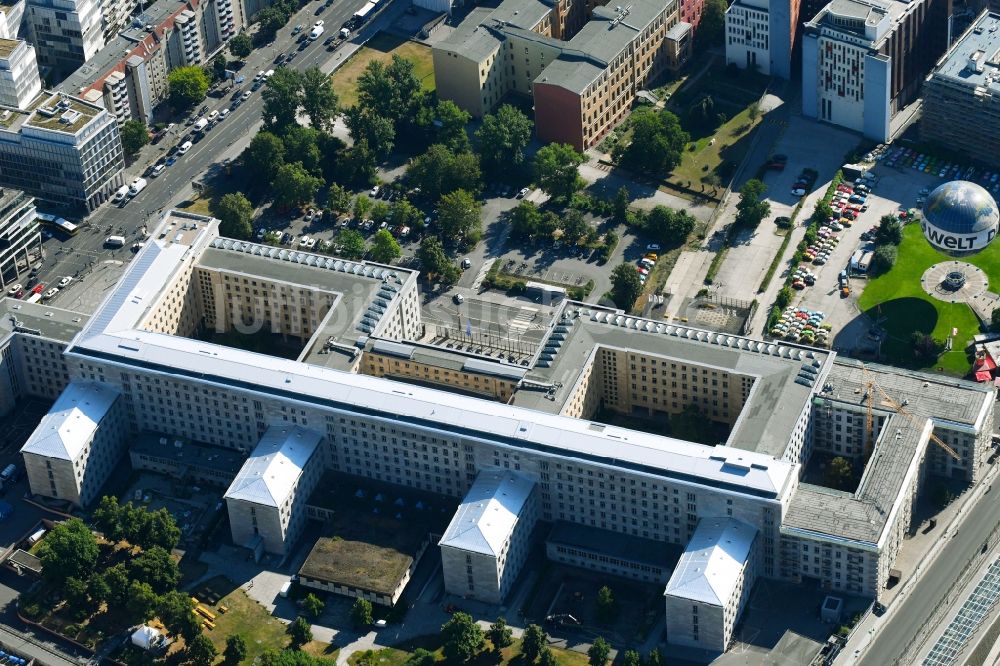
column 146, row 637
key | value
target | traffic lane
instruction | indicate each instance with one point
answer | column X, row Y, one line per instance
column 938, row 579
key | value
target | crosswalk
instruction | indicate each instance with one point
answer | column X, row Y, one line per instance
column 522, row 320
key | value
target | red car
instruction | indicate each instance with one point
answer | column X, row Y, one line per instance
column 38, row 288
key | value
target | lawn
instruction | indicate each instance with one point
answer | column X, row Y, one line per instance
column 510, row 655
column 898, row 298
column 382, row 47
column 729, row 143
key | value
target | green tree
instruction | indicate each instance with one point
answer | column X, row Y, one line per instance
column 712, row 27
column 313, row 605
column 658, row 141
column 752, row 207
column 926, row 348
column 235, row 213
column 141, row 602
column 500, row 634
column 134, row 136
column 460, row 217
column 377, row 130
column 883, row 259
column 117, row 580
column 338, row 198
column 557, row 170
column 822, row 213
column 262, row 158
column 176, row 611
column 525, row 221
column 282, row 99
column 300, row 632
column 362, row 206
column 98, row 589
column 574, row 226
column 388, row 90
column 420, row 657
column 625, row 286
column 156, row 567
column 241, row 45
column 159, row 529
column 462, row 638
column 839, row 474
column 548, row 658
column 380, row 212
column 606, row 608
column 621, row 205
column 187, row 86
column 270, row 20
column 352, row 244
column 293, row 185
column 405, row 214
column 384, row 247
column 236, row 649
column 669, row 227
column 319, row 100
column 304, row 144
column 359, row 165
column 440, row 171
column 434, row 261
column 75, row 592
column 995, row 320
column 598, row 653
column 219, row 65
column 201, row 651
column 69, row 550
column 533, row 641
column 447, row 122
column 889, row 231
column 631, row 658
column 107, row 517
column 502, row 138
column 654, row 658
column 361, row 613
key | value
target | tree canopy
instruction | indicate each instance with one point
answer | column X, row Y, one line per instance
column 235, row 213
column 176, row 611
column 752, row 208
column 440, row 171
column 134, row 136
column 241, row 45
column 533, row 642
column 669, row 227
column 361, row 613
column 377, row 130
column 319, row 100
column 69, row 550
column 263, row 157
column 187, row 86
column 625, row 286
column 156, row 567
column 657, row 143
column 236, row 649
column 500, row 634
column 435, row 263
column 445, row 123
column 385, row 248
column 300, row 631
column 502, row 138
column 460, row 217
column 293, row 185
column 282, row 98
column 351, row 243
column 201, row 651
column 388, row 89
column 136, row 524
column 557, row 170
column 598, row 653
column 462, row 638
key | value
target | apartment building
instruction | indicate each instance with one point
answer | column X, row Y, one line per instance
column 129, row 75
column 77, row 444
column 488, row 539
column 772, row 405
column 761, row 34
column 12, row 19
column 20, row 238
column 19, row 80
column 66, row 33
column 962, row 93
column 709, row 588
column 863, row 61
column 66, row 152
column 581, row 64
column 265, row 501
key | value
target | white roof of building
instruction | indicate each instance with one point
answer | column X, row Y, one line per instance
column 489, row 512
column 712, row 563
column 270, row 473
column 71, row 423
column 112, row 336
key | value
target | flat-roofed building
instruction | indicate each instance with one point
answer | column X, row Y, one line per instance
column 581, row 63
column 707, row 592
column 20, row 238
column 611, row 553
column 19, row 79
column 962, row 94
column 73, row 450
column 863, row 61
column 65, row 152
column 66, row 33
column 266, row 498
column 488, row 539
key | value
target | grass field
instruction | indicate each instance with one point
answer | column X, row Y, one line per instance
column 382, row 47
column 732, row 139
column 898, row 298
column 510, row 655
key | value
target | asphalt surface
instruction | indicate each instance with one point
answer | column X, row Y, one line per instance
column 941, row 578
column 226, row 140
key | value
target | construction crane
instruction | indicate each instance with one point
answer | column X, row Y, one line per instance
column 870, row 387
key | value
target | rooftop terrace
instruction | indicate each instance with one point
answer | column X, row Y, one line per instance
column 62, row 113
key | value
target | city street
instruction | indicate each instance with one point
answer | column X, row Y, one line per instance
column 226, row 140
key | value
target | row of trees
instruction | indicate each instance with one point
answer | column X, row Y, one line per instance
column 136, row 525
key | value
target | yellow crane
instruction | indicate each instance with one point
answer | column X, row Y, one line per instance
column 870, row 387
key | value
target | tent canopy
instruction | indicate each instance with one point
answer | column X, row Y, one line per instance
column 145, row 637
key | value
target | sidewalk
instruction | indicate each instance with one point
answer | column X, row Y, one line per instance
column 27, row 646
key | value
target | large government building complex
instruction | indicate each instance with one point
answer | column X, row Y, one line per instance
column 523, row 443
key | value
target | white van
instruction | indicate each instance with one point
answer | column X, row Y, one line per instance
column 316, row 32
column 114, row 241
column 186, row 146
column 138, row 185
column 200, row 125
column 120, row 194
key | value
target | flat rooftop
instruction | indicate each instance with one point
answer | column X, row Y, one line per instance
column 62, row 113
column 186, row 452
column 7, row 47
column 786, row 376
column 974, row 60
column 39, row 319
column 615, row 544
